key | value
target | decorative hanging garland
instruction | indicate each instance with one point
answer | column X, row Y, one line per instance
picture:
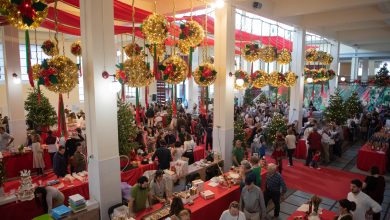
column 75, row 48
column 277, row 79
column 311, row 55
column 241, row 75
column 284, row 56
column 24, row 14
column 132, row 49
column 137, row 71
column 324, row 57
column 120, row 74
column 174, row 69
column 49, row 48
column 191, row 35
column 290, row 79
column 35, row 70
column 252, row 52
column 160, row 50
column 205, row 74
column 259, row 79
column 155, row 28
column 183, row 47
column 319, row 75
column 269, row 53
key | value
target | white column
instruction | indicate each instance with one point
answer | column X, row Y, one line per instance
column 354, row 67
column 335, row 66
column 223, row 131
column 371, row 68
column 297, row 66
column 365, row 70
column 192, row 93
column 97, row 37
column 17, row 122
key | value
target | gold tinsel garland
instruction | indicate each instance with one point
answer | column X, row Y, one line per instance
column 259, row 78
column 132, row 49
column 192, row 34
column 160, row 50
column 324, row 57
column 276, row 79
column 67, row 74
column 184, row 47
column 252, row 52
column 16, row 18
column 174, row 69
column 35, row 71
column 284, row 56
column 311, row 55
column 49, row 48
column 75, row 48
column 205, row 74
column 268, row 53
column 155, row 28
column 240, row 74
column 137, row 71
column 290, row 79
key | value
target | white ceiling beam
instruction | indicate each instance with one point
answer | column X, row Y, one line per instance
column 355, row 26
column 379, row 35
column 165, row 7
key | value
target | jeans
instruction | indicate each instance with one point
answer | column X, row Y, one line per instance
column 290, row 153
column 275, row 196
column 309, row 156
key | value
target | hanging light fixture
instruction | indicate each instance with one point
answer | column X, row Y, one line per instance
column 309, row 80
column 240, row 82
column 342, row 79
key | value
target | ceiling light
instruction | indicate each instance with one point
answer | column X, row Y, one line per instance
column 219, row 3
column 240, row 82
column 342, row 79
column 309, row 80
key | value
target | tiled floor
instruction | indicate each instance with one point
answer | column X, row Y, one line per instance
column 295, row 198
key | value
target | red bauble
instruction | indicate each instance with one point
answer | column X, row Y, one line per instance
column 105, row 74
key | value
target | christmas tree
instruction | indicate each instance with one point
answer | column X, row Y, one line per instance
column 382, row 78
column 39, row 110
column 127, row 129
column 278, row 124
column 353, row 105
column 336, row 112
column 239, row 133
column 263, row 98
column 248, row 97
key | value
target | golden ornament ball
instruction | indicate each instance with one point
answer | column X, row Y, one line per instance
column 275, row 79
column 291, row 79
column 324, row 57
column 259, row 78
column 132, row 49
column 35, row 71
column 49, row 48
column 240, row 74
column 205, row 74
column 268, row 53
column 15, row 17
column 137, row 71
column 67, row 74
column 179, row 72
column 184, row 47
column 160, row 50
column 75, row 48
column 195, row 35
column 284, row 56
column 252, row 52
column 155, row 28
column 311, row 55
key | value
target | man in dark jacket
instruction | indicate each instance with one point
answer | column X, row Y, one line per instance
column 150, row 116
column 60, row 163
column 163, row 155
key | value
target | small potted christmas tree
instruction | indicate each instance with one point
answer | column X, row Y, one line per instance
column 382, row 78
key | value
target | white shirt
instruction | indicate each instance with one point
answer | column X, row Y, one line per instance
column 290, row 141
column 227, row 216
column 363, row 204
column 189, row 145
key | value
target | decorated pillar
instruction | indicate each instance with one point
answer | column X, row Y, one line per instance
column 223, row 131
column 297, row 66
column 97, row 37
column 14, row 89
column 354, row 66
column 335, row 52
column 364, row 70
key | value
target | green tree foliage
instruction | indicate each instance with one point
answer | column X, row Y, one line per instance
column 41, row 112
column 248, row 96
column 382, row 78
column 127, row 129
column 278, row 124
column 239, row 133
column 336, row 111
column 353, row 105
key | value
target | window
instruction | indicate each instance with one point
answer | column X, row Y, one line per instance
column 81, row 89
column 37, row 56
column 2, row 71
column 130, row 92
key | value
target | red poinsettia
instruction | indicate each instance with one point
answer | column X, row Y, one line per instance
column 169, row 70
column 26, row 9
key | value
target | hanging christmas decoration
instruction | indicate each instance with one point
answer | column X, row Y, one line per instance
column 284, row 56
column 191, row 35
column 324, row 57
column 155, row 28
column 311, row 55
column 205, row 74
column 259, row 79
column 49, row 48
column 251, row 52
column 75, row 48
column 24, row 14
column 290, row 79
column 120, row 74
column 183, row 47
column 35, row 70
column 242, row 80
column 160, row 49
column 276, row 79
column 174, row 69
column 138, row 71
column 59, row 74
column 133, row 49
column 319, row 75
column 268, row 53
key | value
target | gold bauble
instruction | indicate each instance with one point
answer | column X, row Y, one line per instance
column 137, row 71
column 132, row 49
column 290, row 79
column 324, row 57
column 184, row 47
column 205, row 74
column 268, row 53
column 75, row 48
column 52, row 50
column 311, row 55
column 155, row 28
column 284, row 56
column 195, row 35
column 252, row 52
column 179, row 70
column 15, row 18
column 35, row 71
column 259, row 79
column 67, row 74
column 240, row 74
column 160, row 50
column 276, row 79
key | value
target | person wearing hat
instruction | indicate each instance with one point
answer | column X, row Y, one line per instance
column 252, row 200
column 163, row 155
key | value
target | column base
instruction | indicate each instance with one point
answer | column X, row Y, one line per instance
column 223, row 143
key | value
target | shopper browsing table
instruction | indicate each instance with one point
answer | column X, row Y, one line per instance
column 50, row 197
column 140, row 193
column 233, row 213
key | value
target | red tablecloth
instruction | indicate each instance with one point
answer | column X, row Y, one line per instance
column 15, row 163
column 301, row 150
column 199, row 152
column 131, row 176
column 28, row 209
column 326, row 215
column 368, row 158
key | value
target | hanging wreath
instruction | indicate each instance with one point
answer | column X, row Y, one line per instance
column 259, row 79
column 324, row 57
column 268, row 53
column 137, row 71
column 24, row 14
column 205, row 74
column 132, row 49
column 75, row 48
column 191, row 35
column 184, row 47
column 49, row 48
column 277, row 79
column 174, row 69
column 242, row 80
column 160, row 50
column 331, row 74
column 155, row 28
column 59, row 74
column 311, row 55
column 251, row 52
column 284, row 56
column 290, row 79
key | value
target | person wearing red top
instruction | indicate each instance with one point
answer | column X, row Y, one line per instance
column 278, row 152
column 314, row 141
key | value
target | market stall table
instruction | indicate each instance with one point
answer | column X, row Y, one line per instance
column 301, row 150
column 131, row 176
column 199, row 152
column 368, row 158
column 14, row 163
column 28, row 209
column 326, row 215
